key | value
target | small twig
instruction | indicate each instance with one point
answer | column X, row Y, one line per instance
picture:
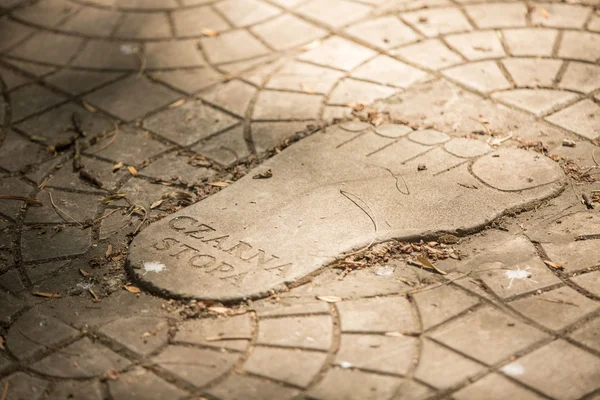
column 345, row 194
column 233, row 337
column 57, row 209
column 46, row 345
column 594, row 157
column 28, row 200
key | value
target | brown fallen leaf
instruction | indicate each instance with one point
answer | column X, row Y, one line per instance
column 329, row 299
column 544, row 13
column 307, row 89
column 132, row 289
column 209, row 32
column 264, row 175
column 88, row 107
column 117, row 166
column 112, row 374
column 176, row 104
column 132, row 170
column 2, row 343
column 84, row 273
column 109, row 250
column 218, row 184
column 219, row 310
column 553, row 265
column 428, row 264
column 47, row 295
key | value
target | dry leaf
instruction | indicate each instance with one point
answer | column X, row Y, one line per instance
column 94, row 295
column 307, row 89
column 117, row 166
column 157, row 203
column 427, row 264
column 108, row 251
column 47, row 295
column 178, row 103
column 218, row 184
column 2, row 343
column 112, row 374
column 329, row 299
column 311, row 45
column 209, row 32
column 132, row 289
column 544, row 13
column 84, row 273
column 553, row 265
column 219, row 310
column 88, row 107
column 132, row 170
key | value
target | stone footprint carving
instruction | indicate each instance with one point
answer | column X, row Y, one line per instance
column 334, row 192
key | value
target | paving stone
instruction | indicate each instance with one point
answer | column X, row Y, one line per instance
column 497, row 15
column 241, row 387
column 100, row 54
column 47, row 13
column 477, row 45
column 581, row 118
column 74, row 390
column 197, row 331
column 303, row 332
column 588, row 334
column 545, row 372
column 580, row 46
column 82, row 359
column 482, row 76
column 556, row 309
column 495, row 387
column 66, row 178
column 276, row 105
column 92, row 21
column 590, row 282
column 366, row 315
column 438, row 21
column 388, row 71
column 348, row 384
column 339, row 53
column 132, row 97
column 23, row 386
column 467, row 148
column 4, row 363
column 178, row 54
column 384, row 32
column 283, row 308
column 267, row 135
column 184, row 362
column 17, row 153
column 12, row 79
column 37, row 272
column 433, row 366
column 537, row 101
column 226, row 148
column 246, row 12
column 287, row 31
column 438, row 305
column 296, row 76
column 560, row 15
column 142, row 384
column 232, row 46
column 192, row 22
column 176, row 167
column 581, row 77
column 144, row 26
column 9, row 306
column 189, row 80
column 142, row 335
column 145, row 192
column 335, row 13
column 388, row 354
column 530, row 42
column 32, row 99
column 68, row 208
column 594, row 24
column 64, row 48
column 392, row 130
column 12, row 33
column 428, row 137
column 68, row 241
column 31, row 68
column 234, row 96
column 488, row 335
column 15, row 187
column 272, row 362
column 355, row 91
column 77, row 82
column 191, row 122
column 430, row 53
column 532, row 72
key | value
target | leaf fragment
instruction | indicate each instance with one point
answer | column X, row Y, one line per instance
column 329, row 299
column 428, row 264
column 132, row 289
column 84, row 273
column 553, row 264
column 117, row 166
column 2, row 343
column 109, row 250
column 218, row 184
column 47, row 295
column 219, row 310
column 176, row 104
column 94, row 295
column 113, row 197
column 306, row 89
column 132, row 170
column 88, row 107
column 209, row 32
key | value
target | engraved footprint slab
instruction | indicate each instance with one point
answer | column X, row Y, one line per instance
column 336, row 191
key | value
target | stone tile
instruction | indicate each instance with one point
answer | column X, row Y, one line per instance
column 581, row 77
column 178, row 54
column 377, row 315
column 141, row 335
column 434, row 362
column 560, row 15
column 246, row 12
column 188, row 80
column 334, row 13
column 234, row 96
column 580, row 46
column 588, row 334
column 183, row 362
column 192, row 22
column 225, row 148
column 242, row 387
column 100, row 54
column 355, row 91
column 297, row 76
column 82, row 359
column 47, row 13
column 384, row 32
column 144, row 26
column 546, row 372
column 12, row 79
column 430, row 53
column 77, row 82
column 287, row 31
column 388, row 354
column 594, row 24
column 488, row 335
column 494, row 387
column 75, row 390
column 483, row 76
column 438, row 305
column 12, row 33
column 9, row 306
column 590, row 282
column 66, row 178
column 69, row 208
column 92, row 21
column 131, row 146
column 197, row 331
column 557, row 308
column 477, row 45
column 467, row 148
column 132, row 97
column 141, row 384
column 283, row 308
column 276, row 105
column 274, row 363
column 38, row 272
column 64, row 48
column 304, row 332
column 388, row 71
column 497, row 15
column 23, row 386
column 348, row 384
column 267, row 135
column 176, row 167
column 232, row 46
column 29, row 100
column 532, row 72
column 573, row 256
column 31, row 68
column 17, row 153
column 438, row 21
column 536, row 101
column 191, row 122
column 581, row 118
column 35, row 332
column 68, row 241
column 339, row 53
column 145, row 192
column 530, row 42
column 16, row 187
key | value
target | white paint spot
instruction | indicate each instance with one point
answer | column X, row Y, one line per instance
column 514, row 369
column 154, row 266
column 345, row 364
column 520, row 274
column 85, row 285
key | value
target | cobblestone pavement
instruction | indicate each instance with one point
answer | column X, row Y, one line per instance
column 116, row 113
